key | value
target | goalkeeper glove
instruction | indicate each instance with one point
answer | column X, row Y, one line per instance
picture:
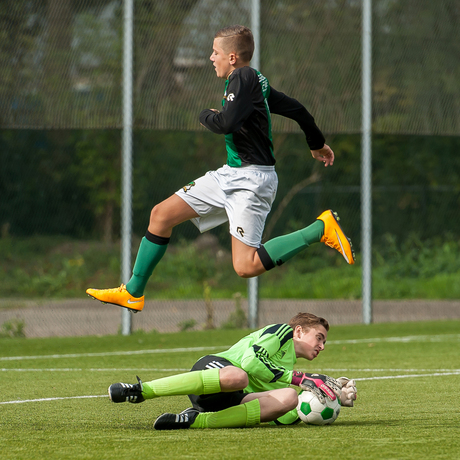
column 318, row 384
column 348, row 394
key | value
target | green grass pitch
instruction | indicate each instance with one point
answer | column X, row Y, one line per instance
column 408, row 378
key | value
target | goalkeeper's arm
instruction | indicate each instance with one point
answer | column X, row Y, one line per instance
column 324, row 386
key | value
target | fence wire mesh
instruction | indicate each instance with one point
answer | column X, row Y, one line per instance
column 61, row 62
column 60, row 141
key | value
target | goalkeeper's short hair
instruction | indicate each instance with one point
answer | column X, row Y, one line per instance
column 308, row 320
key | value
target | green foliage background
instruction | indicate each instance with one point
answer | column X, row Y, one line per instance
column 60, row 139
column 68, row 182
column 60, row 195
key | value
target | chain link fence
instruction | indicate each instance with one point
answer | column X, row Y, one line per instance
column 60, row 141
column 61, row 62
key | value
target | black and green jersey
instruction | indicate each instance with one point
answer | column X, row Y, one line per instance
column 267, row 356
column 246, row 122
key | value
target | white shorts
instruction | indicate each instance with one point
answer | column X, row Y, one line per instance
column 241, row 196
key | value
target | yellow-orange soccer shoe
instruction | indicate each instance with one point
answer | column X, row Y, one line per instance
column 334, row 236
column 118, row 296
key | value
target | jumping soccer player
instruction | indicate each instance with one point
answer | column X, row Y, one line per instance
column 242, row 191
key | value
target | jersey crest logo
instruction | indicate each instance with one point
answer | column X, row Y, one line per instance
column 187, row 187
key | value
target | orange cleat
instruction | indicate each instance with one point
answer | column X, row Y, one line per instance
column 334, row 236
column 118, row 296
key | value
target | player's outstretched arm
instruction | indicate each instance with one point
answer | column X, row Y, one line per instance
column 324, row 154
column 289, row 107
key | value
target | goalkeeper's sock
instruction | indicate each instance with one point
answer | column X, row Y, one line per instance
column 244, row 415
column 192, row 383
column 289, row 418
column 151, row 250
column 282, row 248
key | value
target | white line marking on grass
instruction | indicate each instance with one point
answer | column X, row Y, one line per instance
column 413, row 338
column 178, row 369
column 409, row 338
column 113, row 353
column 70, row 369
column 52, row 399
column 434, row 374
column 329, row 369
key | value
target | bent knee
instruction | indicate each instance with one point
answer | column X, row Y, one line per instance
column 160, row 223
column 290, row 398
column 156, row 213
column 243, row 273
column 248, row 264
column 244, row 270
column 242, row 380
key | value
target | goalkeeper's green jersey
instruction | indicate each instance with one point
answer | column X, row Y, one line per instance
column 267, row 355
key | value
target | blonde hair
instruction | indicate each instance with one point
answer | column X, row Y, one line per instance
column 238, row 39
column 307, row 321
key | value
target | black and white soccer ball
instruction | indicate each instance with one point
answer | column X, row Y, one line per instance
column 313, row 412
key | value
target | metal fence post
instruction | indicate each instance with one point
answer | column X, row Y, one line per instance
column 126, row 204
column 253, row 283
column 366, row 162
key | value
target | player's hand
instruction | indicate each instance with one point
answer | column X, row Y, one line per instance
column 349, row 391
column 325, row 154
column 319, row 384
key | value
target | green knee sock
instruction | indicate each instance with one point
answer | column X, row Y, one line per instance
column 148, row 256
column 192, row 383
column 247, row 414
column 283, row 248
column 290, row 418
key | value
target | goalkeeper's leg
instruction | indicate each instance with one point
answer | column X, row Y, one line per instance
column 289, row 418
column 254, row 409
column 243, row 415
column 274, row 403
column 202, row 382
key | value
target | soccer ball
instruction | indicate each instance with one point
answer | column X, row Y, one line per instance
column 312, row 412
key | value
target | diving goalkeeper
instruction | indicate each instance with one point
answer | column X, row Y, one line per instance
column 248, row 384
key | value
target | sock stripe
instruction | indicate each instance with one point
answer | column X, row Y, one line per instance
column 265, row 258
column 160, row 240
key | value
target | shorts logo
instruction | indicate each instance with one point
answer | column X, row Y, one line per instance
column 187, row 187
column 230, row 97
column 214, row 365
column 240, row 231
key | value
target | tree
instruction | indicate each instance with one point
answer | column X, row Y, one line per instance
column 98, row 169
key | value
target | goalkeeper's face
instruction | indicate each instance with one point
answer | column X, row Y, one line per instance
column 309, row 344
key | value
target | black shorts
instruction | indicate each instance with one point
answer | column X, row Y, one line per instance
column 216, row 401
